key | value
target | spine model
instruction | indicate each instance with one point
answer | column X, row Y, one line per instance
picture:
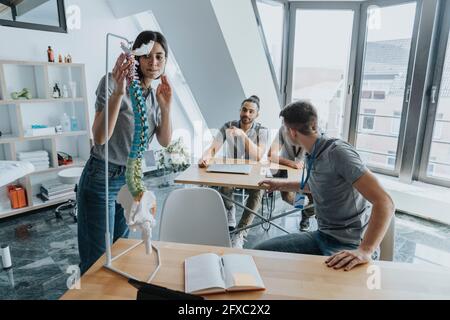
column 133, row 174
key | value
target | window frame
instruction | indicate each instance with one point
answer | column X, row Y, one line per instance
column 280, row 86
column 360, row 62
column 442, row 25
column 62, row 28
column 351, row 72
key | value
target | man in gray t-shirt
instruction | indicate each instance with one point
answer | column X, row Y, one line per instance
column 353, row 211
column 286, row 152
column 241, row 139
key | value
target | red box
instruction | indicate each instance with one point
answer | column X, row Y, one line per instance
column 17, row 196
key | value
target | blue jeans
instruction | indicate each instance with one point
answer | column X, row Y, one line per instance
column 91, row 200
column 315, row 243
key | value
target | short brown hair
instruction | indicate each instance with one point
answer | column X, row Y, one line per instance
column 301, row 116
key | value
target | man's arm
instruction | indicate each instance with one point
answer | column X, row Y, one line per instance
column 211, row 151
column 382, row 212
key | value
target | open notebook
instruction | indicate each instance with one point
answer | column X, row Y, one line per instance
column 210, row 273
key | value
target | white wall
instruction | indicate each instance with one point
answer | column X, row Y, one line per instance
column 86, row 45
column 238, row 23
column 196, row 39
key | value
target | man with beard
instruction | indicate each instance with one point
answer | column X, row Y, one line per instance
column 245, row 139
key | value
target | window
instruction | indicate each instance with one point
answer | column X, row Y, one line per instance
column 368, row 121
column 390, row 159
column 439, row 155
column 395, row 128
column 271, row 14
column 379, row 95
column 320, row 68
column 366, row 94
column 438, row 126
column 387, row 49
column 431, row 166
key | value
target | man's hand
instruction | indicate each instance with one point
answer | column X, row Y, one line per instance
column 271, row 185
column 296, row 165
column 348, row 259
column 236, row 132
column 203, row 162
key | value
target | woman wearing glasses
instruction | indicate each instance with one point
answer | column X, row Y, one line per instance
column 91, row 188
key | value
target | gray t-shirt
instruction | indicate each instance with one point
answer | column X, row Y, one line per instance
column 234, row 146
column 341, row 211
column 289, row 150
column 121, row 139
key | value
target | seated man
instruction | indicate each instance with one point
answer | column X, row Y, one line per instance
column 245, row 139
column 352, row 209
column 292, row 156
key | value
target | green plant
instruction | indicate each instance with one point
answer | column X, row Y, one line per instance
column 173, row 158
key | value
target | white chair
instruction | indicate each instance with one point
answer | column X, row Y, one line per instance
column 388, row 243
column 195, row 216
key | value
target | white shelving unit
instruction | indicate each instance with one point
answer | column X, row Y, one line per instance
column 16, row 116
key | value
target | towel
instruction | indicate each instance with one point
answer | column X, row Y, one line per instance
column 32, row 154
column 34, row 159
column 139, row 215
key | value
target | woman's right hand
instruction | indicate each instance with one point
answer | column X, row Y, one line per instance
column 120, row 73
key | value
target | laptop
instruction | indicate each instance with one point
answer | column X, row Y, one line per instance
column 230, row 168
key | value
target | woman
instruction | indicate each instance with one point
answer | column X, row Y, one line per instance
column 91, row 188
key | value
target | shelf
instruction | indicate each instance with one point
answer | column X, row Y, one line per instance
column 8, row 138
column 37, row 204
column 76, row 163
column 25, row 101
column 17, row 116
column 56, row 135
column 41, row 63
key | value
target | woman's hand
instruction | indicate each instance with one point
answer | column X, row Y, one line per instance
column 164, row 94
column 120, row 73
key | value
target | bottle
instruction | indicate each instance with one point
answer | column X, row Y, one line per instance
column 55, row 92
column 74, row 123
column 65, row 91
column 60, row 59
column 65, row 122
column 50, row 54
column 58, row 90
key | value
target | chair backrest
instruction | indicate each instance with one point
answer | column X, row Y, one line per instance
column 195, row 216
column 388, row 243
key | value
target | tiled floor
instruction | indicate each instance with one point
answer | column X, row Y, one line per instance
column 43, row 248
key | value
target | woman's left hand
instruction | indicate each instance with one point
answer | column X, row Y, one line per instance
column 164, row 94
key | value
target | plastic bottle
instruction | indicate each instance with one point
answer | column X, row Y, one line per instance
column 65, row 123
column 74, row 123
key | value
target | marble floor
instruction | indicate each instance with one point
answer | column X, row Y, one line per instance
column 43, row 248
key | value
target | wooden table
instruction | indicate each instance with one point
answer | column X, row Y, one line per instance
column 198, row 176
column 285, row 275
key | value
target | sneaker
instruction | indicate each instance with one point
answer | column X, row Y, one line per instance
column 237, row 240
column 231, row 216
column 304, row 224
